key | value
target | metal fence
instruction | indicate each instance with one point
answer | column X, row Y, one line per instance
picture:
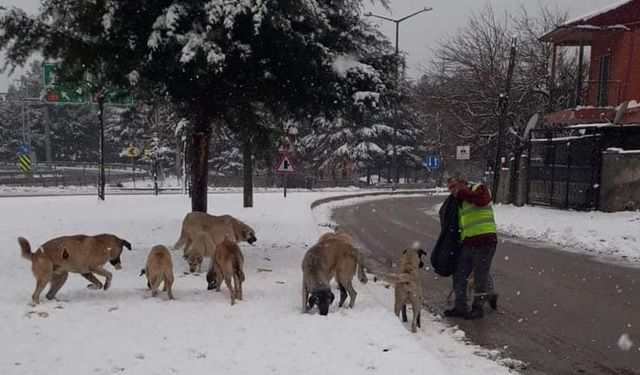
column 564, row 169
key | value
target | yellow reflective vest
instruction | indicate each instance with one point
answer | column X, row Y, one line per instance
column 475, row 220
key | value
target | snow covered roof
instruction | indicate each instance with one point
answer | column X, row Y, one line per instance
column 618, row 17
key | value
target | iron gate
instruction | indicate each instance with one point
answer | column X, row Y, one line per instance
column 564, row 169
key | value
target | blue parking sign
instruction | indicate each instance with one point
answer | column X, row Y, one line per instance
column 432, row 162
column 24, row 149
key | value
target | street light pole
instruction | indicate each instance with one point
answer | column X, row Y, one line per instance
column 394, row 157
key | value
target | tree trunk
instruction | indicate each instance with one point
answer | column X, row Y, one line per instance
column 102, row 179
column 247, row 164
column 200, row 165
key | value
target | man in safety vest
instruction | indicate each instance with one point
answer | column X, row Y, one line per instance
column 479, row 240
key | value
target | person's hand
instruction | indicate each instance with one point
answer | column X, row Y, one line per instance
column 456, row 188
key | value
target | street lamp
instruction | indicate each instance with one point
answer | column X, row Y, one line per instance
column 394, row 160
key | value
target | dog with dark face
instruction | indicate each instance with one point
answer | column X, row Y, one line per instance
column 81, row 254
column 332, row 257
column 407, row 286
column 227, row 264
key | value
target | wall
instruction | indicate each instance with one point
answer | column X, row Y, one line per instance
column 620, row 181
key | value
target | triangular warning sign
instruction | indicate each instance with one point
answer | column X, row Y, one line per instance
column 285, row 165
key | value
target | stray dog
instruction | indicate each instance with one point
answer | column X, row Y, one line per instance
column 227, row 263
column 159, row 268
column 323, row 261
column 407, row 287
column 339, row 236
column 195, row 222
column 204, row 244
column 81, row 254
column 492, row 296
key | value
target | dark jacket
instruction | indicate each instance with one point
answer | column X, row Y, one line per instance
column 445, row 252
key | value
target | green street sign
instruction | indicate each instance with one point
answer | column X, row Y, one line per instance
column 117, row 97
column 73, row 93
column 62, row 93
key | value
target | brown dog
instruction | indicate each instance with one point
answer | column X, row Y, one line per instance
column 81, row 254
column 492, row 296
column 227, row 263
column 159, row 268
column 204, row 244
column 326, row 259
column 338, row 236
column 195, row 222
column 407, row 287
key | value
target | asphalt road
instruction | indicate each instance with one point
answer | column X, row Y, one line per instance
column 561, row 313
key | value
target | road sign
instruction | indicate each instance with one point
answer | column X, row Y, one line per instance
column 285, row 165
column 432, row 162
column 24, row 163
column 116, row 97
column 59, row 93
column 76, row 93
column 148, row 155
column 132, row 151
column 463, row 152
column 24, row 149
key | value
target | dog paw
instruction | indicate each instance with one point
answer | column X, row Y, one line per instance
column 107, row 284
column 94, row 286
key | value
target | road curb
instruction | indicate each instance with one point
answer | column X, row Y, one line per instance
column 315, row 204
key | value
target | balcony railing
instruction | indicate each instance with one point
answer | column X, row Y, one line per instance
column 592, row 93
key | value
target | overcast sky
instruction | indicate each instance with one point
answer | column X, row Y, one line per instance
column 420, row 33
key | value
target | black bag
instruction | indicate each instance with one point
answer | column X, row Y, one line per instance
column 445, row 252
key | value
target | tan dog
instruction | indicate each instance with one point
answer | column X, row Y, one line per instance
column 492, row 296
column 195, row 222
column 159, row 268
column 81, row 254
column 204, row 244
column 338, row 236
column 326, row 259
column 407, row 286
column 227, row 263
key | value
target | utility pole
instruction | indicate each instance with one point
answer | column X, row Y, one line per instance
column 503, row 104
column 394, row 156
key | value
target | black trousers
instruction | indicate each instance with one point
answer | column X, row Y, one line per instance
column 477, row 259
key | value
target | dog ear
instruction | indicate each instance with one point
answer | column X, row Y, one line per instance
column 312, row 300
column 142, row 272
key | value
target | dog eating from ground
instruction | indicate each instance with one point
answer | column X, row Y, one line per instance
column 227, row 264
column 334, row 235
column 81, row 254
column 407, row 286
column 195, row 222
column 329, row 258
column 159, row 269
column 492, row 296
column 196, row 247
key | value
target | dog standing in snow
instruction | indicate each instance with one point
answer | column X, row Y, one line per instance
column 159, row 269
column 81, row 254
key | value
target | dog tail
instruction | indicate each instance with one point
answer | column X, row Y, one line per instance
column 125, row 243
column 142, row 272
column 25, row 248
column 361, row 275
column 181, row 241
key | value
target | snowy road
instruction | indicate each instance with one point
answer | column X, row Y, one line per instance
column 561, row 312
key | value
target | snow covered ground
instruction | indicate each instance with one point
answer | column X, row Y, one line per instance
column 125, row 331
